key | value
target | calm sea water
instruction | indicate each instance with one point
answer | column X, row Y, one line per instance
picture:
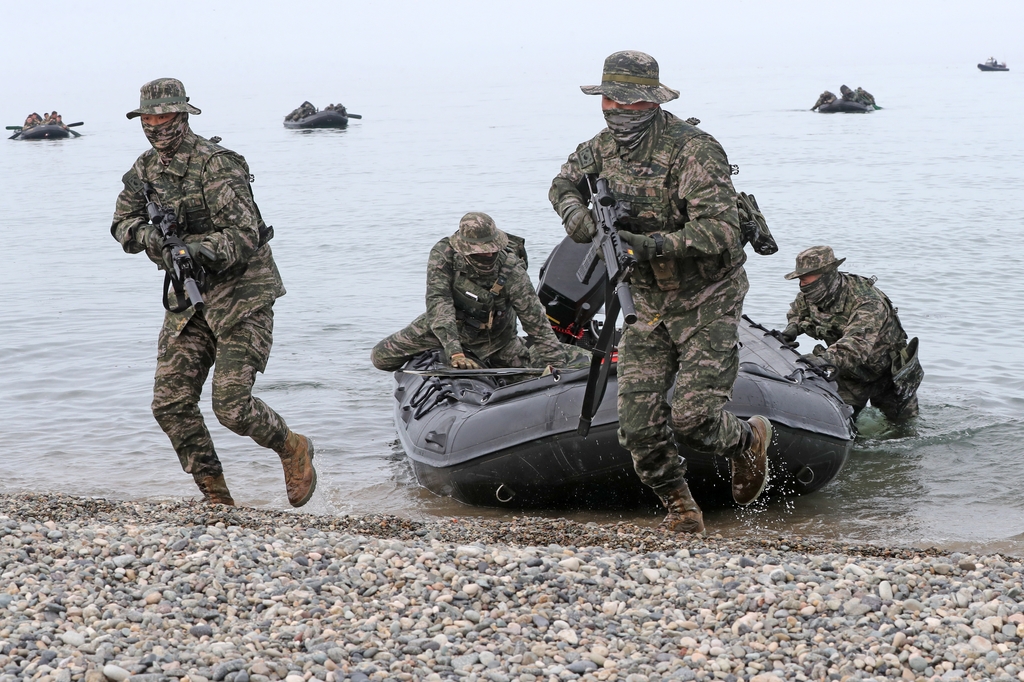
column 925, row 194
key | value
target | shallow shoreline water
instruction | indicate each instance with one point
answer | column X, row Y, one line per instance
column 94, row 589
column 897, row 192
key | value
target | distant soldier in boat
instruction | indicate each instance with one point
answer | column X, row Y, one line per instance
column 864, row 97
column 305, row 109
column 340, row 108
column 867, row 346
column 823, row 99
column 860, row 96
column 688, row 286
column 208, row 189
column 33, row 120
column 477, row 287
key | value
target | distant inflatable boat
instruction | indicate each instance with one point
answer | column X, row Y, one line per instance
column 843, row 106
column 993, row 67
column 321, row 119
column 45, row 132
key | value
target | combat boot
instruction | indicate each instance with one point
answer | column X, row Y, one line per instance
column 750, row 467
column 299, row 475
column 684, row 516
column 214, row 489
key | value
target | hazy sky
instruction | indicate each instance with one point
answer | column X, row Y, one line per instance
column 93, row 57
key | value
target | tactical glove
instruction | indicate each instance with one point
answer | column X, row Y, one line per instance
column 580, row 225
column 201, row 253
column 789, row 334
column 821, row 364
column 645, row 247
column 150, row 238
column 460, row 361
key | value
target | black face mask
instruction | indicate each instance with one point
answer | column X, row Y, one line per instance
column 484, row 263
column 824, row 291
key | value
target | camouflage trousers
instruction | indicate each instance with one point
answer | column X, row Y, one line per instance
column 506, row 350
column 700, row 369
column 183, row 363
column 882, row 395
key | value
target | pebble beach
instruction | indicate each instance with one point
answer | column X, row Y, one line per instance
column 96, row 590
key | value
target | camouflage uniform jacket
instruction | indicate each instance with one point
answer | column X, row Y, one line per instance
column 446, row 268
column 864, row 97
column 861, row 328
column 208, row 188
column 678, row 183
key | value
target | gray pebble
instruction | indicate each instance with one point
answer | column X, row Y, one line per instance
column 582, row 666
column 287, row 594
column 200, row 631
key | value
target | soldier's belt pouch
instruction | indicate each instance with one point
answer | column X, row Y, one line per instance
column 753, row 225
column 666, row 272
column 906, row 370
column 266, row 233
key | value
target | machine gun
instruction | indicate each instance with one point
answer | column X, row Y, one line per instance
column 619, row 262
column 186, row 277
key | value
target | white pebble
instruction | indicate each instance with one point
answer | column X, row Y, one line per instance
column 115, row 673
column 569, row 636
column 72, row 638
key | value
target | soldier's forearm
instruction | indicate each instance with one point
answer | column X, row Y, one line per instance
column 704, row 237
column 124, row 232
column 564, row 197
column 232, row 245
column 449, row 343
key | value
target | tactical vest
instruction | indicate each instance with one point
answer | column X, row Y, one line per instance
column 481, row 310
column 644, row 186
column 891, row 332
column 188, row 199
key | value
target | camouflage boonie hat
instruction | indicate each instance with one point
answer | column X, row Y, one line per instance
column 478, row 234
column 163, row 96
column 630, row 77
column 815, row 259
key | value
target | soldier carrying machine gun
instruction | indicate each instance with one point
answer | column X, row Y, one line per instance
column 619, row 262
column 186, row 277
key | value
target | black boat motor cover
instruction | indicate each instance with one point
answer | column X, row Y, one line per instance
column 570, row 304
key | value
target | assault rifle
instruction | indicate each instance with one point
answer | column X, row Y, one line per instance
column 619, row 262
column 186, row 277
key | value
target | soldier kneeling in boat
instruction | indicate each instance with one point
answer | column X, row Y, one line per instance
column 305, row 109
column 477, row 287
column 33, row 120
column 866, row 342
column 860, row 96
column 864, row 97
column 823, row 99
